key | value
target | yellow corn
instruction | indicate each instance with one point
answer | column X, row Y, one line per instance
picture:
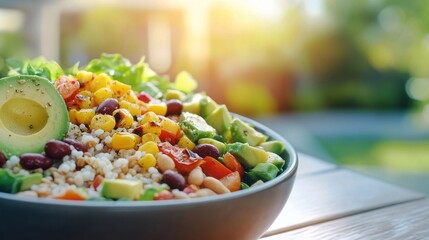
column 174, row 94
column 102, row 94
column 119, row 88
column 72, row 116
column 138, row 138
column 149, row 117
column 158, row 108
column 147, row 161
column 149, row 147
column 123, row 118
column 152, row 127
column 84, row 100
column 84, row 76
column 185, row 142
column 101, row 121
column 150, row 137
column 85, row 116
column 130, row 96
column 100, row 81
column 133, row 108
column 123, row 140
column 170, row 126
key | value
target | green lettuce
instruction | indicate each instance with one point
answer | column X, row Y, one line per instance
column 139, row 75
column 39, row 66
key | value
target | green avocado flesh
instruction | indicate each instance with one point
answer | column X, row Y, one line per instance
column 32, row 112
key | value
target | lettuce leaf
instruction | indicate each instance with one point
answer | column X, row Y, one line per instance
column 139, row 75
column 39, row 66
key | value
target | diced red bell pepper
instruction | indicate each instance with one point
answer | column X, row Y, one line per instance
column 232, row 163
column 232, row 181
column 182, row 157
column 213, row 168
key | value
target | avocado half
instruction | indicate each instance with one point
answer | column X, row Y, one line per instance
column 32, row 112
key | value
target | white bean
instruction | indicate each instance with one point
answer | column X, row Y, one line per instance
column 164, row 162
column 215, row 185
column 196, row 176
column 203, row 192
column 180, row 195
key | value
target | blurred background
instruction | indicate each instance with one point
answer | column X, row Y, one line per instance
column 345, row 81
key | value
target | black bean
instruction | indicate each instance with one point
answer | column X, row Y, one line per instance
column 206, row 149
column 174, row 107
column 76, row 144
column 174, row 180
column 32, row 161
column 57, row 149
column 107, row 106
column 2, row 159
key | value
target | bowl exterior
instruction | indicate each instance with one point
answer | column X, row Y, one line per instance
column 241, row 215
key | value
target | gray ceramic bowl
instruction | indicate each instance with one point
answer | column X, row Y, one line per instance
column 245, row 214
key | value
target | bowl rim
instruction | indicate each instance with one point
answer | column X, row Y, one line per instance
column 288, row 173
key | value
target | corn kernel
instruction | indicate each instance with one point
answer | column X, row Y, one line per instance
column 138, row 138
column 72, row 116
column 123, row 140
column 101, row 121
column 158, row 108
column 149, row 147
column 147, row 161
column 119, row 88
column 185, row 142
column 152, row 127
column 133, row 108
column 102, row 94
column 130, row 96
column 170, row 126
column 83, row 101
column 84, row 76
column 84, row 116
column 100, row 81
column 150, row 137
column 149, row 117
column 123, row 118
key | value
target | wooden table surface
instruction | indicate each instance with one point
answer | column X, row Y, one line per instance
column 329, row 202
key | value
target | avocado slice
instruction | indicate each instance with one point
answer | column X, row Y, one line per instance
column 31, row 113
column 247, row 155
column 242, row 132
column 195, row 127
column 30, row 180
column 9, row 183
column 219, row 145
column 207, row 105
column 193, row 105
column 263, row 171
column 276, row 160
column 121, row 189
column 273, row 146
column 220, row 119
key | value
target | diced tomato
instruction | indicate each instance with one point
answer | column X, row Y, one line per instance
column 71, row 194
column 163, row 195
column 184, row 159
column 167, row 136
column 68, row 87
column 232, row 163
column 232, row 181
column 213, row 168
column 144, row 97
column 97, row 181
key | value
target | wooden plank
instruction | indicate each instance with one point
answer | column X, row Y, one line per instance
column 308, row 164
column 335, row 194
column 402, row 221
